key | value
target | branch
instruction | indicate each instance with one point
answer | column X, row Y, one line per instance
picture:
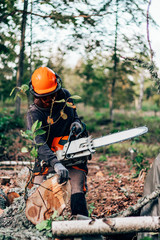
column 105, row 226
column 7, row 15
column 150, row 66
column 148, row 37
column 51, row 16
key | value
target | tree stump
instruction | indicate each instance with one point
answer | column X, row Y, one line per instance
column 47, row 198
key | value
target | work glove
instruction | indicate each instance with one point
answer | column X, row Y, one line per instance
column 62, row 172
column 76, row 127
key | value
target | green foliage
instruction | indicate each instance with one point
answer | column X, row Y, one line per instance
column 21, row 91
column 8, row 41
column 7, row 122
column 31, row 135
column 98, row 78
column 98, row 124
column 91, row 207
column 138, row 162
column 102, row 158
column 92, row 127
column 146, row 238
column 44, row 225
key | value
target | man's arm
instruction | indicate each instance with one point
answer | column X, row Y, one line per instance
column 44, row 152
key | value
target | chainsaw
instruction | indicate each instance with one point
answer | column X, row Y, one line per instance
column 77, row 148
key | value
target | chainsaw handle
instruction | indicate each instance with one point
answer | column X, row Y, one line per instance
column 82, row 131
column 73, row 132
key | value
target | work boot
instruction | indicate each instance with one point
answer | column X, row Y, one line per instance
column 92, row 237
column 64, row 238
column 78, row 204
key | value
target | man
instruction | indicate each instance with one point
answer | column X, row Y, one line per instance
column 152, row 182
column 53, row 107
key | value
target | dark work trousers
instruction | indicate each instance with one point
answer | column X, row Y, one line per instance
column 78, row 182
column 152, row 181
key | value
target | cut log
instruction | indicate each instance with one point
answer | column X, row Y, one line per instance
column 105, row 226
column 48, row 197
column 7, row 198
column 15, row 163
column 11, row 196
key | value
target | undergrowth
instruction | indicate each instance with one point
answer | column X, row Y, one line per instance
column 7, row 123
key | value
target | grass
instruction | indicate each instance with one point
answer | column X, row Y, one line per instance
column 125, row 149
column 98, row 124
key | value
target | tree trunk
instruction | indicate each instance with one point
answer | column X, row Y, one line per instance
column 141, row 92
column 21, row 56
column 111, row 101
column 105, row 226
column 30, row 97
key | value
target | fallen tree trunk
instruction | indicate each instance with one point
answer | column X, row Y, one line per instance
column 15, row 163
column 105, row 226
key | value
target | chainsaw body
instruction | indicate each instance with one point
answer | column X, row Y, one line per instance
column 76, row 151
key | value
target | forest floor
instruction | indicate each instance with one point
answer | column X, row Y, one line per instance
column 111, row 185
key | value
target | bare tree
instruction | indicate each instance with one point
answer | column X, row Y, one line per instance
column 21, row 55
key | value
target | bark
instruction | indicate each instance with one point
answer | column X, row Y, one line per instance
column 105, row 226
column 141, row 92
column 30, row 97
column 15, row 163
column 111, row 100
column 132, row 210
column 21, row 56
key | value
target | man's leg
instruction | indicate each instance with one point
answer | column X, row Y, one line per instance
column 78, row 190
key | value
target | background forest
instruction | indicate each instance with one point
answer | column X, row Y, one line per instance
column 101, row 49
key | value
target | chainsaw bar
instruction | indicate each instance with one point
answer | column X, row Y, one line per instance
column 77, row 151
column 119, row 136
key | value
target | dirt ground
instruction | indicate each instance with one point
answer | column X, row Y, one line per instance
column 111, row 186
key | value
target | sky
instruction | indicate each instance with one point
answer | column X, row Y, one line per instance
column 73, row 58
column 155, row 33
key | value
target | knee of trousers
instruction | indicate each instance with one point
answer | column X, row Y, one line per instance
column 39, row 179
column 78, row 180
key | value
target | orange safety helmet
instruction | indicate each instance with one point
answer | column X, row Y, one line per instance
column 44, row 82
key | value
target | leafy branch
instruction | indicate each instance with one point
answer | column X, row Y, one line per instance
column 21, row 91
column 31, row 135
column 150, row 67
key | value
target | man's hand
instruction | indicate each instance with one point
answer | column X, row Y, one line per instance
column 76, row 127
column 62, row 172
